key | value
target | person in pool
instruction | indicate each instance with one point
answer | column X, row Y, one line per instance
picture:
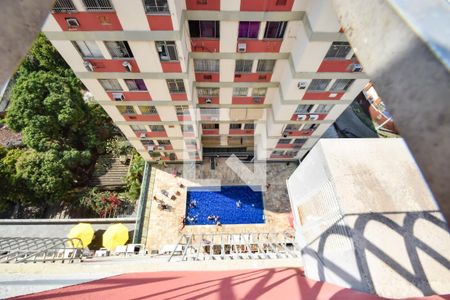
column 238, row 204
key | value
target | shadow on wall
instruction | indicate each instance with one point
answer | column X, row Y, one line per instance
column 412, row 263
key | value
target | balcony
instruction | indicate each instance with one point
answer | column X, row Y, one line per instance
column 247, row 100
column 88, row 21
column 266, row 45
column 131, row 96
column 252, row 77
column 322, row 95
column 113, row 65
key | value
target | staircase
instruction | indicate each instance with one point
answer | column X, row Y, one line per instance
column 110, row 173
column 23, row 250
column 232, row 246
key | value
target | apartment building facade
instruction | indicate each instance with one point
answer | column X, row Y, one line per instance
column 184, row 79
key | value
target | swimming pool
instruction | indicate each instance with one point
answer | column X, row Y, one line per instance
column 223, row 202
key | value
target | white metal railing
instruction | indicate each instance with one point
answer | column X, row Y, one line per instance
column 64, row 6
column 23, row 250
column 98, row 5
column 221, row 246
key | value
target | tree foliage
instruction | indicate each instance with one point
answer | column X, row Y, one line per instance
column 63, row 134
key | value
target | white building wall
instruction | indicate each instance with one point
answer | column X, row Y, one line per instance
column 146, row 56
column 131, row 14
column 322, row 16
column 228, row 36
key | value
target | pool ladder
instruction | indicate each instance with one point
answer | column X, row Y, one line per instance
column 234, row 246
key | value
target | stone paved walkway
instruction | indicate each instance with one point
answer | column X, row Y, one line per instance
column 164, row 225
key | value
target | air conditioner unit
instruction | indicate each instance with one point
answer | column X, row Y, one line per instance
column 160, row 148
column 164, row 57
column 127, row 66
column 302, row 117
column 242, row 47
column 302, row 85
column 72, row 23
column 118, row 96
column 89, row 66
column 208, row 101
column 314, row 117
column 159, row 48
column 142, row 135
column 357, row 68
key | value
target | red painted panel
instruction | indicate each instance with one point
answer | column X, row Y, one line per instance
column 160, row 22
column 142, row 118
column 335, row 65
column 178, row 96
column 207, row 77
column 301, row 133
column 265, row 5
column 210, row 131
column 322, row 95
column 188, row 134
column 184, row 118
column 208, row 5
column 295, row 117
column 171, row 67
column 261, row 45
column 153, row 134
column 113, row 65
column 214, row 100
column 90, row 21
column 168, row 147
column 241, row 131
column 205, row 45
column 247, row 100
column 252, row 77
column 134, row 96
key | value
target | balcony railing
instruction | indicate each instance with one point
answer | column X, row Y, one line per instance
column 98, row 5
column 64, row 6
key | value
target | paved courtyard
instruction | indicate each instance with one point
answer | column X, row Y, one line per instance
column 165, row 226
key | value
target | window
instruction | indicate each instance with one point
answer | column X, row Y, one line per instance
column 119, row 49
column 182, row 110
column 341, row 85
column 291, row 127
column 204, row 29
column 148, row 110
column 240, row 91
column 88, row 49
column 323, row 108
column 291, row 153
column 275, row 30
column 159, row 7
column 248, row 30
column 284, row 141
column 278, row 153
column 64, row 6
column 206, row 65
column 110, row 84
column 259, row 92
column 303, row 109
column 126, row 110
column 148, row 143
column 97, row 5
column 210, row 126
column 265, row 65
column 299, row 141
column 157, row 128
column 243, row 66
column 318, row 84
column 249, row 126
column 310, row 126
column 163, row 142
column 338, row 50
column 167, row 50
column 176, row 85
column 187, row 128
column 138, row 128
column 135, row 84
column 208, row 92
column 235, row 126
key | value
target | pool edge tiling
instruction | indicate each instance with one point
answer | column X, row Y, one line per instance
column 233, row 204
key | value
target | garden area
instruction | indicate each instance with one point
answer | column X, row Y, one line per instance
column 65, row 138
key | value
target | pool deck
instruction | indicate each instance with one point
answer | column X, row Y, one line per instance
column 164, row 226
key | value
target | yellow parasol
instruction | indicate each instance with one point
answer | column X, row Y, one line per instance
column 115, row 235
column 84, row 232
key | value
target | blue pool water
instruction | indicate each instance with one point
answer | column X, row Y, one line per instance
column 221, row 201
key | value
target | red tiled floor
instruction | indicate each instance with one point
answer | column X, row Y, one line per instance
column 273, row 284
